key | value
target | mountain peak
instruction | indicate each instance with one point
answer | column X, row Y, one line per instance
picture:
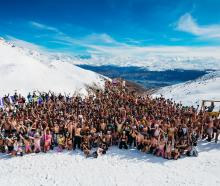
column 28, row 70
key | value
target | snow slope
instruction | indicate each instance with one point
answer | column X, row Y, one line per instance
column 117, row 167
column 193, row 92
column 25, row 72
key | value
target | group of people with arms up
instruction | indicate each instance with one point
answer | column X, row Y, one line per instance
column 113, row 116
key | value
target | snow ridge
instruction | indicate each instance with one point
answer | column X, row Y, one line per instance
column 193, row 92
column 27, row 70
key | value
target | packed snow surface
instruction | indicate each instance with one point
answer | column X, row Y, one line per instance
column 193, row 92
column 117, row 167
column 24, row 72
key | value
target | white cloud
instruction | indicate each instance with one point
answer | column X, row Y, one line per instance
column 141, row 52
column 152, row 57
column 103, row 38
column 187, row 23
column 104, row 44
column 43, row 26
column 90, row 39
column 93, row 38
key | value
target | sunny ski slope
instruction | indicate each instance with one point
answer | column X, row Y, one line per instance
column 24, row 72
column 193, row 92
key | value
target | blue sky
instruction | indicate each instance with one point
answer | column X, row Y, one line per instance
column 85, row 26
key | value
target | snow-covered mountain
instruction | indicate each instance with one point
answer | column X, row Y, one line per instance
column 27, row 70
column 193, row 92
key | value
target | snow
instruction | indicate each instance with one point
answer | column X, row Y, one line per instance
column 193, row 92
column 117, row 167
column 24, row 72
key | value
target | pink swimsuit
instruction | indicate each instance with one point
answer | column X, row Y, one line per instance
column 37, row 144
column 48, row 138
column 28, row 148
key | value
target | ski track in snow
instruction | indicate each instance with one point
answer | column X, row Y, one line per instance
column 117, row 167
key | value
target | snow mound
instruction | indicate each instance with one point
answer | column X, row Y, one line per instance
column 117, row 167
column 193, row 92
column 28, row 71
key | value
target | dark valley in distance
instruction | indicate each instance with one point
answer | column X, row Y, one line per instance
column 144, row 77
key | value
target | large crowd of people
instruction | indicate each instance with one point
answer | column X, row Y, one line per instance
column 113, row 116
